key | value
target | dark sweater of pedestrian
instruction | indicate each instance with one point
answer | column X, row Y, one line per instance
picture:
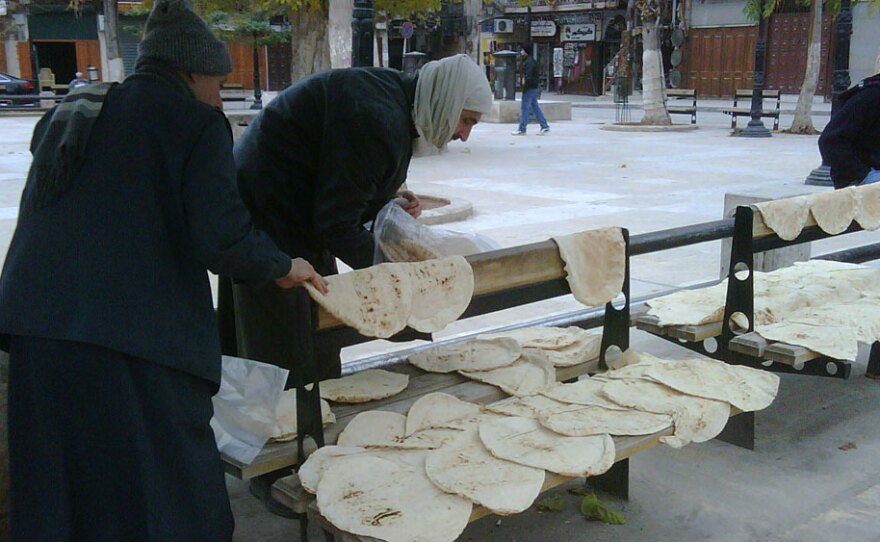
column 105, row 303
column 530, row 94
column 850, row 143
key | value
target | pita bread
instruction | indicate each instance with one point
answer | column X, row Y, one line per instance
column 690, row 307
column 595, row 263
column 524, row 441
column 442, row 290
column 578, row 353
column 696, row 419
column 521, row 378
column 834, row 211
column 480, row 354
column 313, row 469
column 467, row 469
column 584, row 392
column 584, row 421
column 375, row 301
column 437, row 410
column 868, row 206
column 530, row 406
column 743, row 387
column 835, row 341
column 285, row 417
column 787, row 217
column 546, row 338
column 389, row 500
column 364, row 386
column 374, row 427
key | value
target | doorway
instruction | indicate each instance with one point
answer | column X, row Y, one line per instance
column 58, row 56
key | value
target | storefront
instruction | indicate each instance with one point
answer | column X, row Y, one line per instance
column 572, row 47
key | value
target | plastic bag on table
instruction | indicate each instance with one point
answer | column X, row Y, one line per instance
column 245, row 405
column 402, row 238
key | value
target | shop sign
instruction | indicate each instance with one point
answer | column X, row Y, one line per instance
column 579, row 32
column 543, row 29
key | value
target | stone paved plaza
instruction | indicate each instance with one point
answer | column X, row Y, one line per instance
column 814, row 473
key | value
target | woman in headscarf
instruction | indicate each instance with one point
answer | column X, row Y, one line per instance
column 320, row 161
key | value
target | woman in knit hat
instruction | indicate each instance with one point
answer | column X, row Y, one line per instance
column 105, row 305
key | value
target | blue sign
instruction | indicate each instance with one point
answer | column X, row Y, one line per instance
column 406, row 30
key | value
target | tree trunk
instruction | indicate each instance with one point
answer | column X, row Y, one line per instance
column 115, row 68
column 472, row 10
column 877, row 63
column 310, row 44
column 653, row 83
column 803, row 120
column 339, row 34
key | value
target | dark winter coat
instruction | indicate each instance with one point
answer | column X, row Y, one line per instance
column 120, row 258
column 531, row 77
column 323, row 158
column 850, row 143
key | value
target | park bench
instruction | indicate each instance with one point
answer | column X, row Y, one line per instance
column 233, row 92
column 720, row 340
column 742, row 106
column 681, row 97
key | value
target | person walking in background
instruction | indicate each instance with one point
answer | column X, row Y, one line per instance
column 530, row 94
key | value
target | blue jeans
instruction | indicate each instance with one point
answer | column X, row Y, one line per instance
column 529, row 103
column 872, row 177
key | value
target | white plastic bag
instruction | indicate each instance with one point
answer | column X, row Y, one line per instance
column 244, row 408
column 401, row 238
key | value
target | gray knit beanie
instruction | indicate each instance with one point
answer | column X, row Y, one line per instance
column 175, row 34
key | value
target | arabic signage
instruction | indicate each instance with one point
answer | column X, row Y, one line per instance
column 543, row 29
column 579, row 32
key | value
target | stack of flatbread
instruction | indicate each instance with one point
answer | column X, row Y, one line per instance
column 417, row 477
column 832, row 211
column 827, row 307
column 521, row 362
column 364, row 386
column 285, row 417
column 382, row 300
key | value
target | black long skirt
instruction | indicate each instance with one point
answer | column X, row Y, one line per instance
column 108, row 447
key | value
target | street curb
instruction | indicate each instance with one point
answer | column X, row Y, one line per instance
column 452, row 211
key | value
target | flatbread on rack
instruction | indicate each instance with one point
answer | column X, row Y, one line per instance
column 375, row 301
column 285, row 417
column 595, row 263
column 868, row 206
column 390, row 500
column 480, row 354
column 787, row 217
column 524, row 441
column 467, row 469
column 583, row 421
column 521, row 378
column 834, row 211
column 364, row 386
column 442, row 290
column 438, row 411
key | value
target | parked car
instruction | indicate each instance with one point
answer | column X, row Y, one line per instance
column 14, row 91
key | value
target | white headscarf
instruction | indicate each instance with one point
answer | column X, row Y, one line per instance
column 444, row 88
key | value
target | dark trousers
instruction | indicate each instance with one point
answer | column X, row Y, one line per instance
column 108, row 447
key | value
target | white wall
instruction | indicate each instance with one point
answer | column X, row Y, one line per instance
column 865, row 42
column 718, row 13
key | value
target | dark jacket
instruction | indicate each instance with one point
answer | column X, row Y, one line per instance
column 120, row 258
column 323, row 158
column 531, row 78
column 850, row 143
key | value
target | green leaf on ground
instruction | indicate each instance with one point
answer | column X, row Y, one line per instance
column 596, row 510
column 551, row 503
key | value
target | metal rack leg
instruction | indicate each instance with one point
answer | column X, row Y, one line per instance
column 614, row 482
column 328, row 536
column 740, row 431
column 304, row 528
column 874, row 362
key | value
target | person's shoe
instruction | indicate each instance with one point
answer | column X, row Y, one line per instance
column 544, row 131
column 517, row 132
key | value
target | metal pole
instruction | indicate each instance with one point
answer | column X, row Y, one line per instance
column 756, row 126
column 258, row 93
column 821, row 176
column 362, row 34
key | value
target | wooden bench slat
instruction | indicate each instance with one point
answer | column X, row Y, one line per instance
column 789, row 354
column 695, row 333
column 750, row 344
